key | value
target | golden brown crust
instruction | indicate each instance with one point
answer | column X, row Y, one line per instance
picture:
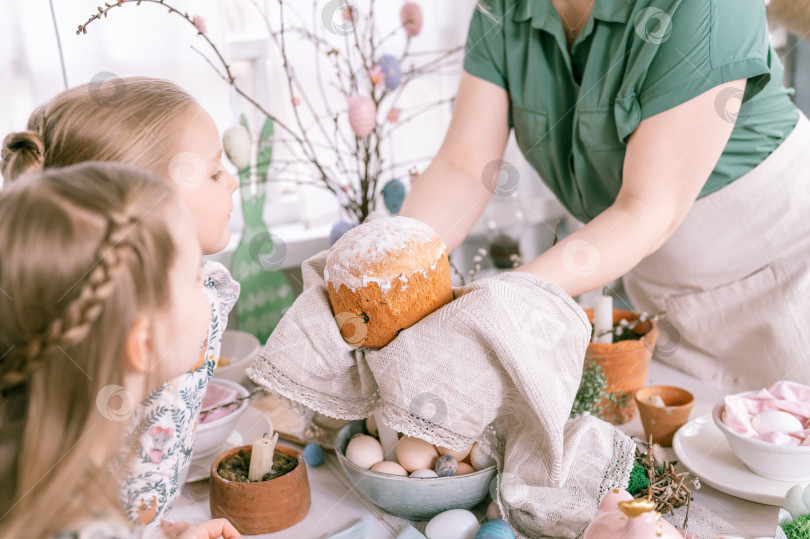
column 370, row 318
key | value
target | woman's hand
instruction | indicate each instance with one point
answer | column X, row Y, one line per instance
column 451, row 194
column 668, row 160
column 210, row 529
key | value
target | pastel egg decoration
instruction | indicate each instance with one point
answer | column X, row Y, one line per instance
column 364, row 451
column 797, row 500
column 393, row 195
column 493, row 511
column 775, row 421
column 414, row 454
column 619, row 515
column 411, row 17
column 389, row 467
column 236, row 145
column 391, row 70
column 452, row 524
column 338, row 229
column 423, row 473
column 362, row 115
column 313, row 454
column 479, row 459
column 446, row 466
column 495, row 529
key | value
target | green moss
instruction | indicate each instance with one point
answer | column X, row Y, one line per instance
column 638, row 479
column 798, row 529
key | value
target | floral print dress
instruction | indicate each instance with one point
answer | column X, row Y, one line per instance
column 160, row 434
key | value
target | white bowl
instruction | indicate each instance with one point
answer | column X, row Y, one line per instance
column 210, row 436
column 411, row 497
column 780, row 462
column 241, row 348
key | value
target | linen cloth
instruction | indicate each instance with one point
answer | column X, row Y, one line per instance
column 160, row 433
column 499, row 365
column 734, row 280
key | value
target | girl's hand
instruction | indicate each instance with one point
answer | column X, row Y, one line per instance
column 211, row 529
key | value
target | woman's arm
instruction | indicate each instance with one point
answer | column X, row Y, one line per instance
column 450, row 194
column 669, row 158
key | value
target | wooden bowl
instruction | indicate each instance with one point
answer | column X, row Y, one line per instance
column 265, row 507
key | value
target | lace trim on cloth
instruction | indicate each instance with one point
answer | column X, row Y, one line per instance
column 264, row 373
column 618, row 474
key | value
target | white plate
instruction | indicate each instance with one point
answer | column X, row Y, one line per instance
column 703, row 449
column 251, row 425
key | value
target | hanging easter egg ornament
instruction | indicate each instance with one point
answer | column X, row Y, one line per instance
column 393, row 195
column 362, row 115
column 411, row 17
column 338, row 229
column 391, row 71
column 236, row 144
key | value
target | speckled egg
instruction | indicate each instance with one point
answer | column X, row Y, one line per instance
column 362, row 115
column 411, row 17
column 313, row 454
column 390, row 68
column 236, row 145
column 495, row 529
column 364, row 451
column 452, row 524
column 393, row 195
column 446, row 466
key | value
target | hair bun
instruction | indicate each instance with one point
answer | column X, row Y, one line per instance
column 22, row 152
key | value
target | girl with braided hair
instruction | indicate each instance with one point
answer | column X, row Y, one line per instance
column 101, row 301
column 154, row 125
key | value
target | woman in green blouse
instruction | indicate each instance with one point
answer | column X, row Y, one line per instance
column 663, row 125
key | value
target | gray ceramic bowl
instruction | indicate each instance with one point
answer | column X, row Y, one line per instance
column 410, row 497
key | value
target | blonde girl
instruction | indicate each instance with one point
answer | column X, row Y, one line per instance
column 100, row 274
column 154, row 125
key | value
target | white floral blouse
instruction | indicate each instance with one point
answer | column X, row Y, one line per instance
column 160, row 433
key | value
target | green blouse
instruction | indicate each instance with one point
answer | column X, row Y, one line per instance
column 573, row 113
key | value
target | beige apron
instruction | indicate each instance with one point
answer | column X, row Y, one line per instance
column 734, row 277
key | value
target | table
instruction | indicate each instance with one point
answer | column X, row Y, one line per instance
column 335, row 506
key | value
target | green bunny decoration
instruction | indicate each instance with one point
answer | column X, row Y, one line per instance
column 266, row 293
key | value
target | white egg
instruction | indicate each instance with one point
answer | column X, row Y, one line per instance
column 775, row 421
column 389, row 467
column 479, row 459
column 795, row 500
column 236, row 144
column 452, row 524
column 424, row 473
column 493, row 511
column 364, row 451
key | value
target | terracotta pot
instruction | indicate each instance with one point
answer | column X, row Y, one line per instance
column 266, row 507
column 661, row 422
column 624, row 363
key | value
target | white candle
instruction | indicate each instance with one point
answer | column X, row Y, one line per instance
column 388, row 437
column 603, row 320
column 261, row 457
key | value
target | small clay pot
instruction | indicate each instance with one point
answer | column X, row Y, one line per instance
column 625, row 363
column 661, row 422
column 265, row 507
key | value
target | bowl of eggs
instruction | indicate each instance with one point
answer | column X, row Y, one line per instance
column 238, row 350
column 423, row 481
column 777, row 461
